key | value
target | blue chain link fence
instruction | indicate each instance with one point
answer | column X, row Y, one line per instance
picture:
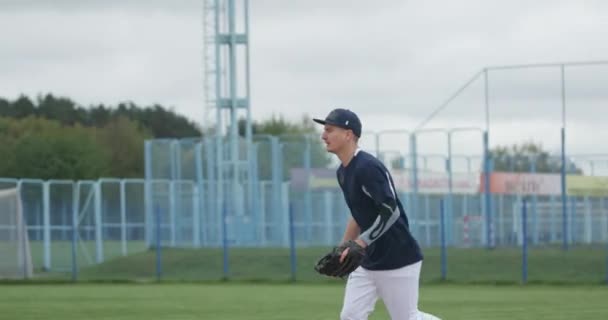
column 273, row 212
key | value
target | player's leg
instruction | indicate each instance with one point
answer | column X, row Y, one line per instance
column 399, row 291
column 360, row 296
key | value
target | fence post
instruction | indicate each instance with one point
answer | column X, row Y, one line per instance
column 564, row 198
column 75, row 202
column 196, row 216
column 123, row 217
column 573, row 221
column 443, row 242
column 414, row 183
column 172, row 214
column 535, row 232
column 46, row 228
column 159, row 266
column 487, row 195
column 524, row 265
column 308, row 191
column 328, row 204
column 225, row 241
column 98, row 223
column 149, row 214
column 292, row 243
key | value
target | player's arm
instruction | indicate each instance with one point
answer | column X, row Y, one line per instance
column 376, row 185
column 352, row 230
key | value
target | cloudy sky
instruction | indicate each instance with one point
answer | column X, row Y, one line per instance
column 391, row 61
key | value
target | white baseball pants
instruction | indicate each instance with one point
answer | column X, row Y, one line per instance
column 397, row 288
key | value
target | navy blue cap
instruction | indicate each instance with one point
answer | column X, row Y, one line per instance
column 342, row 118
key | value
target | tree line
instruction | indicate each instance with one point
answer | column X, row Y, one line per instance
column 52, row 137
column 158, row 120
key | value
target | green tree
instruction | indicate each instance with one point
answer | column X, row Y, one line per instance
column 166, row 124
column 522, row 158
column 159, row 121
column 23, row 107
column 43, row 149
column 61, row 109
column 6, row 109
column 123, row 140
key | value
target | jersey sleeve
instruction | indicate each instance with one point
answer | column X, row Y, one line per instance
column 376, row 184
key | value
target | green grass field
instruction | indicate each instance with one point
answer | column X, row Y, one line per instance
column 482, row 284
column 232, row 301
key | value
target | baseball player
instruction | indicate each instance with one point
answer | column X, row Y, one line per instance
column 390, row 267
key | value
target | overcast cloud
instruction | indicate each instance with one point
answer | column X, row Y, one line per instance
column 391, row 61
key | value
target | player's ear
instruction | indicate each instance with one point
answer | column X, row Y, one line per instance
column 351, row 135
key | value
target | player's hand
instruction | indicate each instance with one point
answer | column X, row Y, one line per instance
column 345, row 252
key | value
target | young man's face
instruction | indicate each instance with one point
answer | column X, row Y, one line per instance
column 336, row 138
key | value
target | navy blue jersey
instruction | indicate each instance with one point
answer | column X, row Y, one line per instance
column 370, row 194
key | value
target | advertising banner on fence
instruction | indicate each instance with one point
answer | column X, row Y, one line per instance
column 542, row 184
column 523, row 183
column 428, row 182
column 545, row 184
column 587, row 186
column 437, row 182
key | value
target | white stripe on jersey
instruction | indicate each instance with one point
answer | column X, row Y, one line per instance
column 381, row 226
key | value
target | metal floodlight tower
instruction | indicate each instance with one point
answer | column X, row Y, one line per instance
column 227, row 89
